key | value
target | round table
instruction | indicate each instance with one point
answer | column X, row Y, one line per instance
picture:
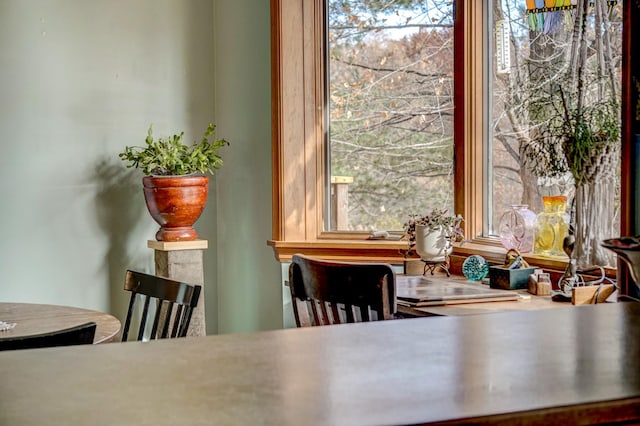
column 32, row 318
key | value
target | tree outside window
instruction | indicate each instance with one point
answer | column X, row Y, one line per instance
column 390, row 66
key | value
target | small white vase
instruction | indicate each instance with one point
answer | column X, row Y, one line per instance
column 432, row 245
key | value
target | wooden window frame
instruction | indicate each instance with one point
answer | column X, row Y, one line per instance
column 298, row 125
column 298, row 101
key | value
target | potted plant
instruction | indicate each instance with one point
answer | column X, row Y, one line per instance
column 175, row 182
column 432, row 236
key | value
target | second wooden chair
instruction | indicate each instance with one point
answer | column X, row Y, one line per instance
column 168, row 294
column 325, row 292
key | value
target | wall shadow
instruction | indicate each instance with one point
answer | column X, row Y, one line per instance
column 120, row 210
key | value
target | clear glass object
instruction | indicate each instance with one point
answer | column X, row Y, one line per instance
column 551, row 227
column 516, row 228
column 475, row 268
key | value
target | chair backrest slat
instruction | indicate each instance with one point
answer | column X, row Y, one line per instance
column 157, row 318
column 327, row 292
column 179, row 318
column 364, row 312
column 335, row 313
column 325, row 319
column 167, row 293
column 145, row 313
column 127, row 323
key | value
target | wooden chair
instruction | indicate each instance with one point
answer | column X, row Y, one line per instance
column 325, row 292
column 174, row 304
column 78, row 335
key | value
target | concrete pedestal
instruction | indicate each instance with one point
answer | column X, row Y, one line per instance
column 183, row 261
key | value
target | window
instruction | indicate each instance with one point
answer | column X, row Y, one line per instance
column 390, row 112
column 301, row 177
column 540, row 63
column 530, row 66
column 299, row 158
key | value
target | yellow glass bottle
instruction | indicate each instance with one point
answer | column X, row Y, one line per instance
column 551, row 227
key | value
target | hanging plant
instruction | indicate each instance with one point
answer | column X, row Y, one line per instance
column 579, row 142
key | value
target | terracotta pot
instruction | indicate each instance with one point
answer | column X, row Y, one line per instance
column 176, row 202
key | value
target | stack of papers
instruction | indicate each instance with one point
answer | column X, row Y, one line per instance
column 425, row 291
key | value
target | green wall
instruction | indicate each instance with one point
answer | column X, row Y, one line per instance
column 249, row 280
column 79, row 80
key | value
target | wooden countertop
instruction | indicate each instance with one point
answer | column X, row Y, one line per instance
column 571, row 366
